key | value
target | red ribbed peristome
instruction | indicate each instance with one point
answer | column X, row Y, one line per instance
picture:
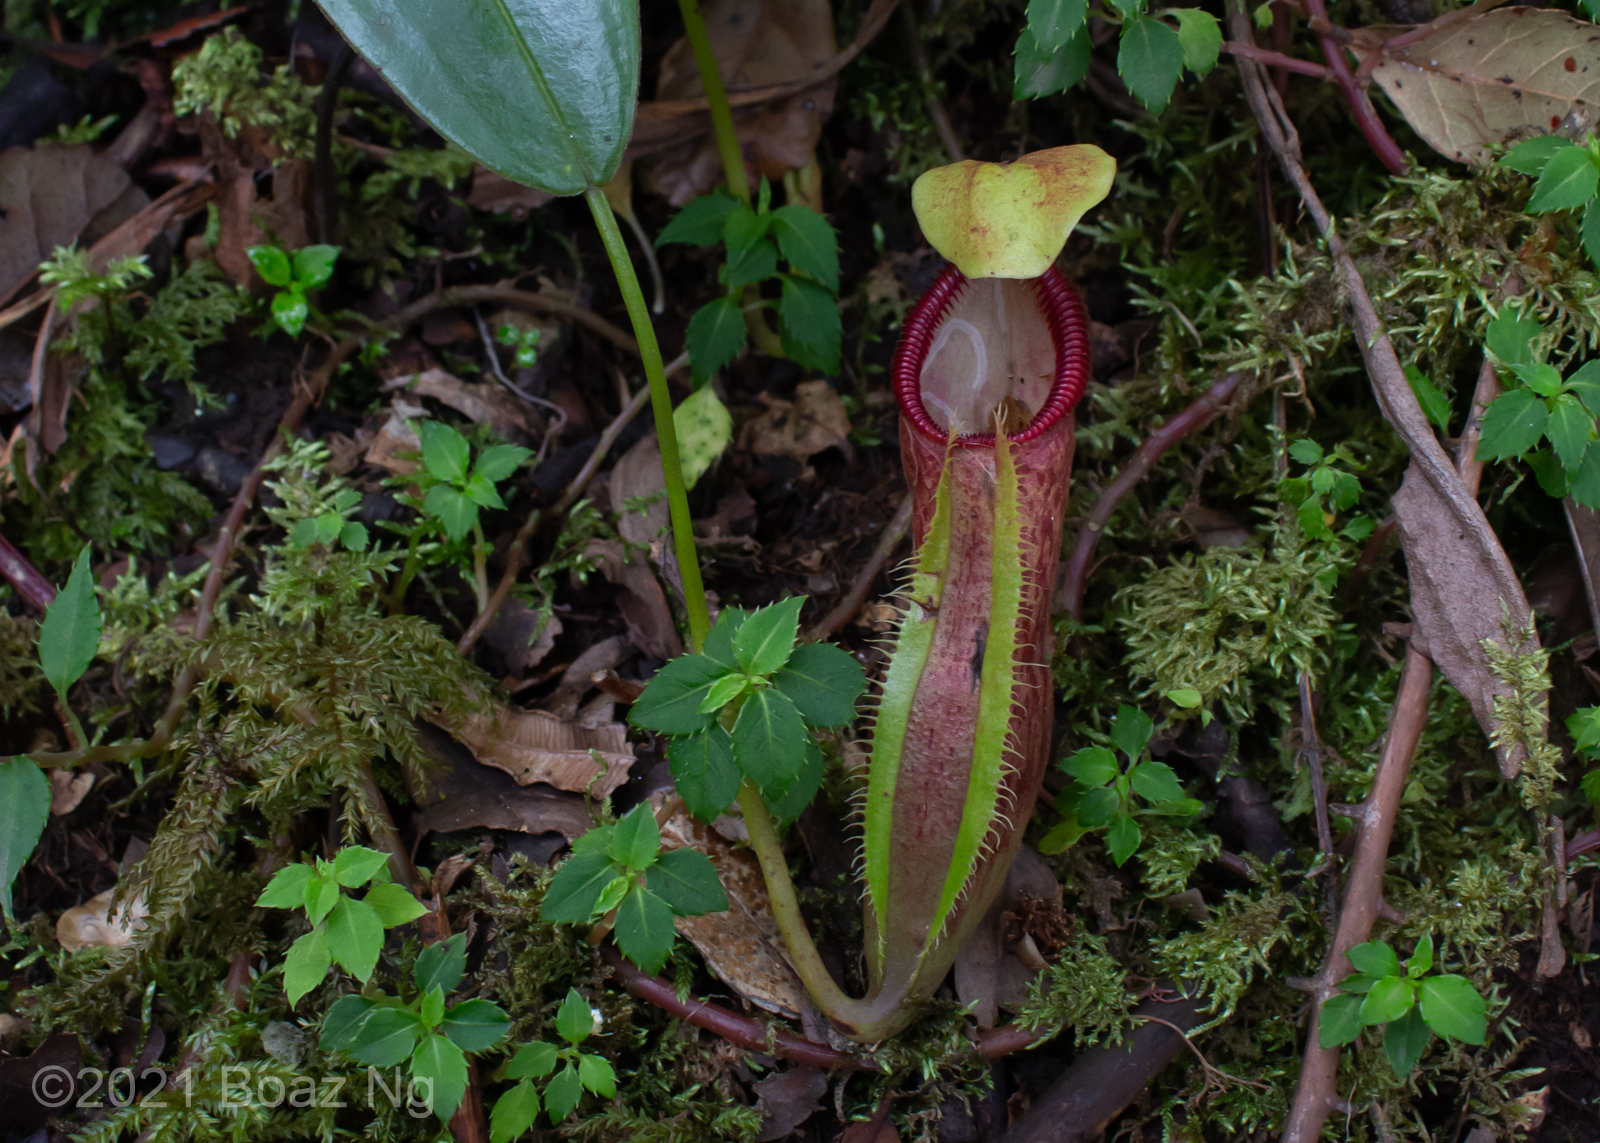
column 1069, row 331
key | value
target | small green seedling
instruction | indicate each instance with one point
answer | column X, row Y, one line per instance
column 384, row 1031
column 742, row 710
column 1569, row 179
column 524, row 341
column 69, row 638
column 1584, row 726
column 1544, row 407
column 1324, row 491
column 516, row 1110
column 808, row 312
column 619, row 872
column 456, row 491
column 308, row 268
column 1408, row 1003
column 345, row 930
column 1102, row 793
column 1187, row 698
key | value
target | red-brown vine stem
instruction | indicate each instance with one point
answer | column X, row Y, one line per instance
column 1366, row 116
column 24, row 577
column 1199, row 414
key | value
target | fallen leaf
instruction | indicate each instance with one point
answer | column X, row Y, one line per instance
column 47, row 197
column 499, row 195
column 578, row 678
column 244, row 217
column 92, row 923
column 520, row 635
column 642, row 601
column 588, row 755
column 59, row 1057
column 67, row 790
column 741, row 946
column 788, row 1099
column 1490, row 78
column 813, row 421
column 870, row 1132
column 483, row 403
column 1459, row 599
column 757, row 43
column 396, row 444
column 458, row 792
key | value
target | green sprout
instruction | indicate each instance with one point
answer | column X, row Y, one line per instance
column 306, row 269
column 516, row 1110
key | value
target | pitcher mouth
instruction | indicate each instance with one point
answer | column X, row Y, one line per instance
column 1064, row 316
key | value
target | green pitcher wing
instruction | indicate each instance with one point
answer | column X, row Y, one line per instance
column 541, row 91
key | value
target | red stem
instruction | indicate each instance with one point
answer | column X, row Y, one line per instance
column 1377, row 136
column 1279, row 60
column 1195, row 417
column 25, row 577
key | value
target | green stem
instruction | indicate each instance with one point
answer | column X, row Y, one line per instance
column 408, row 572
column 786, row 909
column 694, row 29
column 480, row 566
column 694, row 592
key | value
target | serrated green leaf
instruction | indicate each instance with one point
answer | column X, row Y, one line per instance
column 1186, row 698
column 765, row 640
column 497, row 462
column 809, row 327
column 1512, row 425
column 719, row 644
column 1569, row 180
column 1389, row 998
column 1054, row 22
column 769, row 740
column 808, row 243
column 24, row 810
column 341, row 1027
column 671, row 700
column 1375, row 958
column 1452, row 1007
column 715, row 336
column 452, row 509
column 755, row 263
column 387, row 1037
column 637, row 839
column 597, row 1075
column 1548, row 472
column 1122, row 839
column 445, row 452
column 1510, row 337
column 1155, row 782
column 1039, row 71
column 576, row 887
column 313, row 265
column 1304, row 450
column 823, row 681
column 514, row 1113
column 704, row 428
column 1062, row 836
column 1543, row 378
column 1201, row 37
column 1340, row 1021
column 394, row 905
column 430, row 1009
column 1590, row 784
column 561, row 1095
column 533, row 1061
column 1569, row 429
column 1150, row 60
column 1097, row 806
column 438, row 1060
column 354, row 865
column 611, row 896
column 272, row 263
column 69, row 637
column 701, row 222
column 687, row 881
column 1584, row 726
column 1404, row 1041
column 1590, row 232
column 322, row 894
column 355, row 937
column 794, row 799
column 1093, row 766
column 1435, row 405
column 1530, row 156
column 1131, row 730
column 1585, row 382
column 575, row 1018
column 1421, row 961
column 306, row 965
column 644, row 929
column 475, row 1025
column 286, row 890
column 704, row 772
column 744, row 228
column 353, row 535
column 441, row 965
column 1585, row 485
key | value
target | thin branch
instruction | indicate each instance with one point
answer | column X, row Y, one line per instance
column 1311, row 748
column 1201, row 413
column 845, row 610
column 27, row 580
column 930, row 88
column 1376, row 134
column 1280, row 60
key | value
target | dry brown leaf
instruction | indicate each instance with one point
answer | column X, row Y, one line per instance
column 92, row 923
column 536, row 746
column 758, row 43
column 788, row 1099
column 499, row 195
column 642, row 601
column 813, row 421
column 480, row 402
column 67, row 790
column 520, row 636
column 1492, row 78
column 244, row 218
column 47, row 197
column 1459, row 599
column 578, row 679
column 396, row 443
column 460, row 793
column 741, row 946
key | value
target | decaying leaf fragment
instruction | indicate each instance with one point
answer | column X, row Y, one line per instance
column 589, row 755
column 47, row 197
column 1493, row 78
column 94, row 923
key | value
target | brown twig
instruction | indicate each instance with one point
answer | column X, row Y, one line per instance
column 1199, row 414
column 845, row 610
column 23, row 576
column 930, row 90
column 1280, row 60
column 1311, row 748
column 1467, row 462
column 1363, row 895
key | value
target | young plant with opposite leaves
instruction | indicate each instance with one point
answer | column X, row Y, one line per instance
column 1544, row 409
column 307, row 269
column 515, row 1111
column 1103, row 794
column 1568, row 177
column 619, row 875
column 1405, row 1001
column 1052, row 53
column 431, row 1038
column 69, row 639
column 524, row 343
column 1324, row 491
column 755, row 238
column 744, row 709
column 344, row 930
